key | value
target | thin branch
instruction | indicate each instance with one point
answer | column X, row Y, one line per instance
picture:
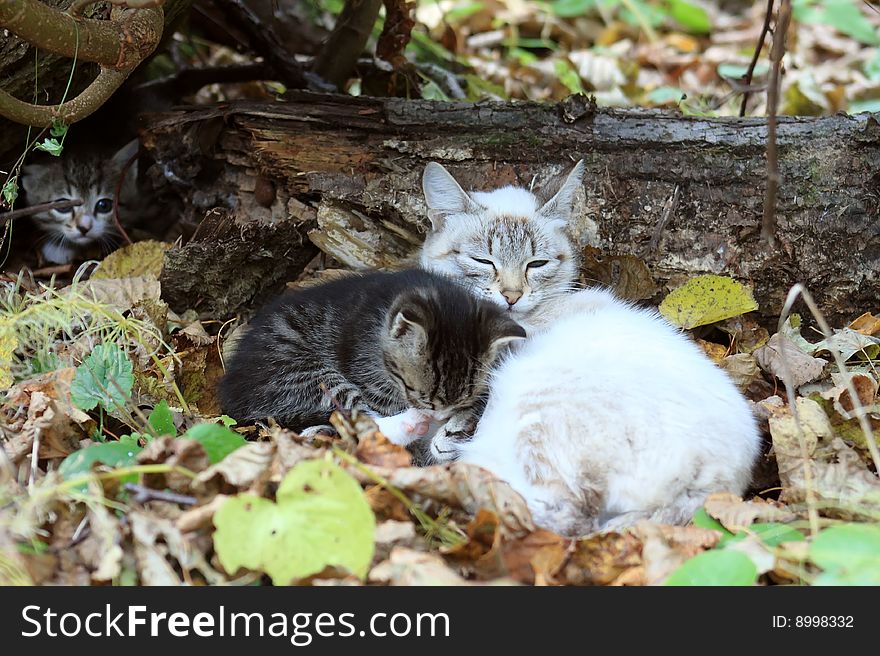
column 747, row 78
column 346, row 42
column 777, row 51
column 108, row 43
column 266, row 43
column 42, row 207
column 136, row 33
column 89, row 101
column 144, row 494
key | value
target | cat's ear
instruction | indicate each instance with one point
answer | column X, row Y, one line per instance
column 507, row 332
column 558, row 208
column 443, row 195
column 407, row 327
column 33, row 177
column 120, row 157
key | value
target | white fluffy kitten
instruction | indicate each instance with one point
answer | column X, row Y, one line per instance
column 504, row 244
column 608, row 416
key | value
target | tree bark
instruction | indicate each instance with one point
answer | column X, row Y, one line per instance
column 683, row 194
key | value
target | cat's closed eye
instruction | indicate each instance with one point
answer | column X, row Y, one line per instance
column 66, row 210
column 103, row 206
column 482, row 261
column 534, row 264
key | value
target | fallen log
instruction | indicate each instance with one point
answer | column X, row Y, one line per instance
column 681, row 194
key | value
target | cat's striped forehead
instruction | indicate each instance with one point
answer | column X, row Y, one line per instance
column 511, row 236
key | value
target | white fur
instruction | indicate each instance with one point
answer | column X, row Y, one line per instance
column 611, row 415
column 488, row 240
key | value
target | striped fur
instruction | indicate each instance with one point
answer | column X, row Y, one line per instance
column 381, row 342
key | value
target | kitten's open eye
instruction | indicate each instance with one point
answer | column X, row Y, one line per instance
column 103, row 206
column 64, row 210
column 482, row 261
column 534, row 264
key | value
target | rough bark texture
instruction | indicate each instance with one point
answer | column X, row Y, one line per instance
column 346, row 172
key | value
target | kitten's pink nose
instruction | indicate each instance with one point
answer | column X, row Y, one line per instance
column 511, row 296
column 84, row 224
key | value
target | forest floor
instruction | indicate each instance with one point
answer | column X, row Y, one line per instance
column 117, row 466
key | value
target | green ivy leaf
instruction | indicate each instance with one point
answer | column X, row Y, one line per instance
column 105, row 378
column 113, row 454
column 849, row 554
column 10, row 190
column 716, row 567
column 58, row 129
column 162, row 420
column 51, row 146
column 690, row 16
column 218, row 441
column 320, row 519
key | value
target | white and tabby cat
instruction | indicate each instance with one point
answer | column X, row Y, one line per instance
column 609, row 416
column 504, row 244
column 91, row 176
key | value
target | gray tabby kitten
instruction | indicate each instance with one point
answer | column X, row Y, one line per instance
column 509, row 248
column 406, row 347
column 88, row 175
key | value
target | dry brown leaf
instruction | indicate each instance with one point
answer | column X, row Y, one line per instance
column 867, row 324
column 608, row 558
column 664, row 548
column 188, row 454
column 745, row 332
column 199, row 516
column 408, row 567
column 238, row 471
column 50, row 423
column 736, row 515
column 803, row 368
column 626, row 275
column 714, row 351
column 742, row 369
column 391, row 533
column 866, row 390
column 143, row 258
column 103, row 543
column 462, row 486
column 376, row 449
column 160, row 548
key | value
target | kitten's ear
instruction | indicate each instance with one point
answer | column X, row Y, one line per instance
column 120, row 157
column 407, row 326
column 443, row 195
column 507, row 333
column 33, row 177
column 559, row 207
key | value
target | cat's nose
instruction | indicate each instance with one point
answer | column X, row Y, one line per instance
column 511, row 296
column 84, row 224
column 82, row 228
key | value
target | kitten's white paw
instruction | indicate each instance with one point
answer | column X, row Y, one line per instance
column 57, row 253
column 408, row 426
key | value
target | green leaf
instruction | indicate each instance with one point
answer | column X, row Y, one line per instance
column 665, row 96
column 846, row 17
column 113, row 454
column 690, row 16
column 773, row 533
column 849, row 554
column 320, row 519
column 707, row 299
column 717, row 567
column 858, row 106
column 227, row 421
column 568, row 76
column 571, row 8
column 58, row 129
column 51, row 146
column 105, row 378
column 702, row 519
column 10, row 191
column 162, row 420
column 218, row 441
column 736, row 71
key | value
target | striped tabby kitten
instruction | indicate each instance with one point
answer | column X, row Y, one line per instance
column 407, row 347
column 508, row 247
column 88, row 175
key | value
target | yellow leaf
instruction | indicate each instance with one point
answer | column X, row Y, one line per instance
column 707, row 299
column 144, row 258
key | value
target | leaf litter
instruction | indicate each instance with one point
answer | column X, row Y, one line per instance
column 117, row 468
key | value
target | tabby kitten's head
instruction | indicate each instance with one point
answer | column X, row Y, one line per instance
column 88, row 176
column 508, row 247
column 438, row 344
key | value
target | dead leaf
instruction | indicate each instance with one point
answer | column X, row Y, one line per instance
column 664, row 548
column 737, row 515
column 160, row 548
column 746, row 333
column 391, row 534
column 47, row 421
column 238, row 471
column 103, row 543
column 376, row 449
column 626, row 275
column 848, row 343
column 867, row 324
column 742, row 368
column 803, row 367
column 408, row 567
column 187, row 454
column 199, row 516
column 866, row 390
column 141, row 259
column 716, row 352
column 121, row 293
